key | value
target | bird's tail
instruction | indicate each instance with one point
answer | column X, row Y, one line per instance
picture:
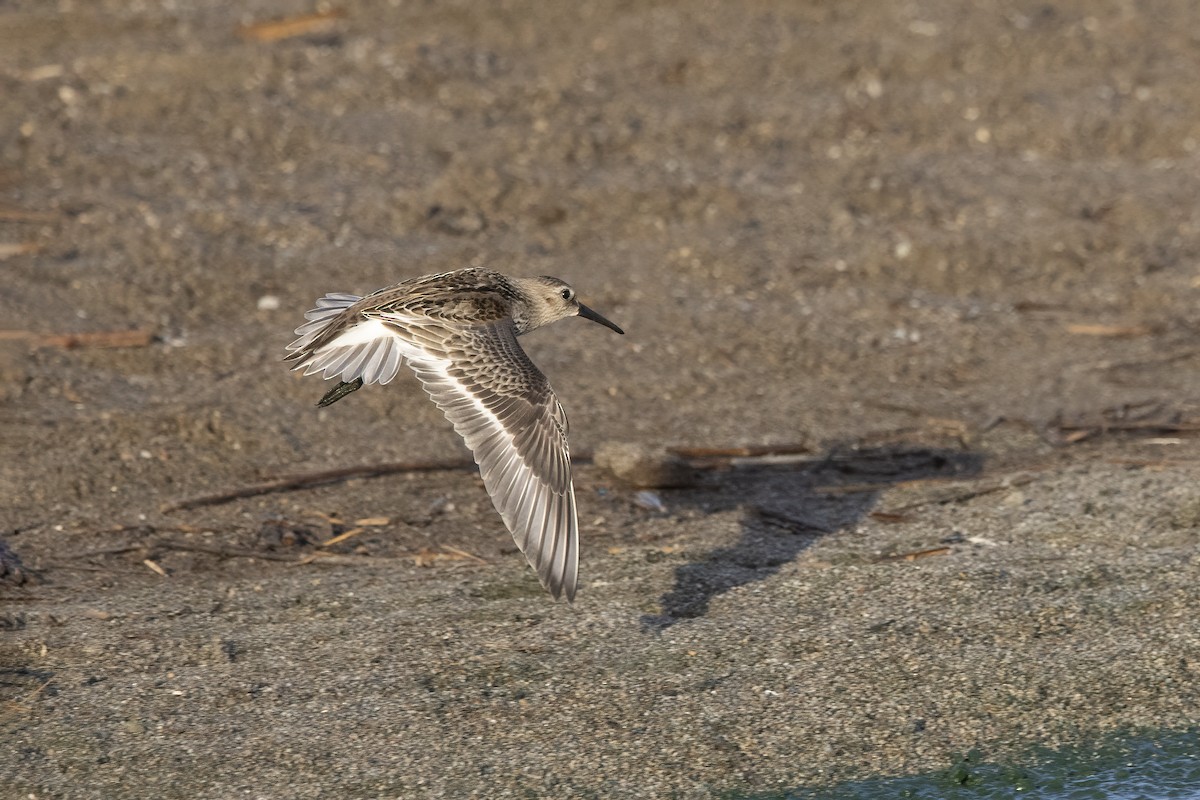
column 341, row 341
column 319, row 320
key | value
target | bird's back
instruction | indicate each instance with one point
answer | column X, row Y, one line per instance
column 462, row 297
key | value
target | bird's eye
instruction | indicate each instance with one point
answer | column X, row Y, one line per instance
column 566, row 294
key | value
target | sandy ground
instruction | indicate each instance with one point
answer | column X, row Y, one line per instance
column 950, row 248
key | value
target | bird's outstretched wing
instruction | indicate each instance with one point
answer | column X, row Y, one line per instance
column 497, row 400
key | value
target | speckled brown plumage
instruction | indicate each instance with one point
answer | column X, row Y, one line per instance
column 457, row 331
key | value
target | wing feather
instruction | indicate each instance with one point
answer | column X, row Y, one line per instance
column 489, row 390
column 505, row 410
column 348, row 345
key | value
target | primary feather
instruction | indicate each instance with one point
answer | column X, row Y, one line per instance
column 457, row 332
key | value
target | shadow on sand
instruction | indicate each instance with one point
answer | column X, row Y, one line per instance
column 785, row 509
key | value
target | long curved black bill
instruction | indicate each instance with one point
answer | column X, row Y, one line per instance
column 587, row 313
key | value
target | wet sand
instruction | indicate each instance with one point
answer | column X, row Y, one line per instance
column 947, row 251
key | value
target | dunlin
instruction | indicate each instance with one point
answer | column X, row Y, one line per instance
column 458, row 332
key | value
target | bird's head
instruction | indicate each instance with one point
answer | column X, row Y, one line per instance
column 547, row 300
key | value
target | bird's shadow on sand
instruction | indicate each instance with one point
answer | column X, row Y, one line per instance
column 785, row 509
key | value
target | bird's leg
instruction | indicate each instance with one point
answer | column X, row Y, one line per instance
column 338, row 392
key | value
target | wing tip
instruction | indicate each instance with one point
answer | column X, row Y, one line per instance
column 562, row 564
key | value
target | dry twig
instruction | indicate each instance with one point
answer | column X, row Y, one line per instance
column 320, row 478
column 341, row 537
column 788, row 522
column 965, row 494
column 25, row 706
column 746, row 451
column 1111, row 331
column 10, row 249
column 67, row 341
column 11, row 213
column 1147, row 361
column 917, row 554
column 290, row 27
column 340, row 560
column 217, row 550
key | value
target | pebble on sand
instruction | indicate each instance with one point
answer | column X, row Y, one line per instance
column 644, row 467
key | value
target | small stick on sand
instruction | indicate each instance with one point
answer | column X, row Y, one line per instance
column 746, row 451
column 913, row 556
column 795, row 524
column 214, row 550
column 339, row 560
column 1186, row 426
column 11, row 213
column 106, row 551
column 463, row 554
column 966, row 494
column 290, row 27
column 341, row 537
column 310, row 479
column 68, row 341
column 1111, row 331
column 10, row 249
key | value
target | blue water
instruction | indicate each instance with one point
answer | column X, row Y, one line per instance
column 1162, row 766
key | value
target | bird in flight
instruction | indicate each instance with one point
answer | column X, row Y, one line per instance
column 457, row 331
